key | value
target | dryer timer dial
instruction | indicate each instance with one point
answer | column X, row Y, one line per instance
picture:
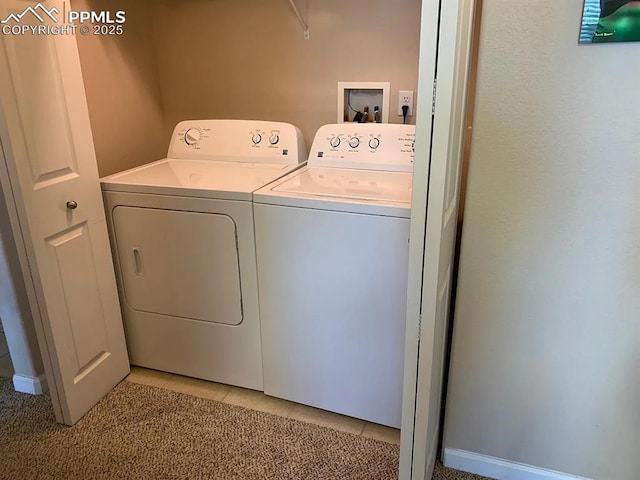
column 192, row 136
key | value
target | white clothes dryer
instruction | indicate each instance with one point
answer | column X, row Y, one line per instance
column 182, row 237
column 332, row 250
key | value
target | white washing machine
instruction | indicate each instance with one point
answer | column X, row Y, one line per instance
column 332, row 249
column 183, row 242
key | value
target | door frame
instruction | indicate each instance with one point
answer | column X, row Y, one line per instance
column 411, row 446
column 448, row 24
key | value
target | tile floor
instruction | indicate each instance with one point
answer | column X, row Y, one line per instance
column 6, row 367
column 259, row 401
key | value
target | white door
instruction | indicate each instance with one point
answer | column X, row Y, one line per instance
column 50, row 178
column 433, row 225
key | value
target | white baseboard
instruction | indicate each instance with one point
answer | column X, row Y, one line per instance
column 32, row 385
column 499, row 469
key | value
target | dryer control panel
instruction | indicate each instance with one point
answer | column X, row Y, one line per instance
column 366, row 146
column 251, row 141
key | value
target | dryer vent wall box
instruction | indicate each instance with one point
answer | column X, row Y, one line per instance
column 332, row 250
column 363, row 102
column 182, row 236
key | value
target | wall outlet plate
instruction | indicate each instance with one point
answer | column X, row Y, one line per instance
column 405, row 97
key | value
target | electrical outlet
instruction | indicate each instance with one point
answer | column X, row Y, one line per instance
column 405, row 97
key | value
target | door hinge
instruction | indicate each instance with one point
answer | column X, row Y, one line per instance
column 29, row 268
column 433, row 98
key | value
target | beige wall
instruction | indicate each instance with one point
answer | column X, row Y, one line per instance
column 15, row 312
column 236, row 59
column 545, row 360
column 123, row 89
column 248, row 58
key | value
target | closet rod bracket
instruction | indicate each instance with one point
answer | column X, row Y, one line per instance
column 300, row 19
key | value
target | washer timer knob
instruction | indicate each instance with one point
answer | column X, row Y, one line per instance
column 354, row 142
column 192, row 136
column 274, row 139
column 374, row 143
column 256, row 138
column 334, row 142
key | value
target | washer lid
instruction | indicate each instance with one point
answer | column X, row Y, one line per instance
column 350, row 190
column 350, row 184
column 197, row 178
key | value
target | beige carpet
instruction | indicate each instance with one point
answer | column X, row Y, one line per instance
column 144, row 432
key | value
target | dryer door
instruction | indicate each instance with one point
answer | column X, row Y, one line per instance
column 181, row 264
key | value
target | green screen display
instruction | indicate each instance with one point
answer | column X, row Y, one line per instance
column 606, row 21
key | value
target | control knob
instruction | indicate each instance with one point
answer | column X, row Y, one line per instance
column 354, row 142
column 192, row 136
column 334, row 142
column 256, row 138
column 274, row 139
column 374, row 143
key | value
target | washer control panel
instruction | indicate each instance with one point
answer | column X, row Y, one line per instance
column 238, row 140
column 370, row 146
